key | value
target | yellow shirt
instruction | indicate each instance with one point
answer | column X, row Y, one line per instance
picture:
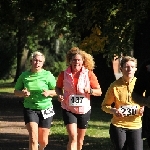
column 119, row 93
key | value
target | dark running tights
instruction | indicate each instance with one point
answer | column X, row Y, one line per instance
column 126, row 139
column 148, row 141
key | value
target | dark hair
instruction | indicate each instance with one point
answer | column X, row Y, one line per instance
column 126, row 59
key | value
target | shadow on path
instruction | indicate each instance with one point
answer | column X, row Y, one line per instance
column 13, row 134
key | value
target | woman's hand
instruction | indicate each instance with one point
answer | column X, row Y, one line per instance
column 93, row 91
column 60, row 98
column 141, row 110
column 26, row 93
column 87, row 90
column 117, row 112
column 47, row 93
column 59, row 92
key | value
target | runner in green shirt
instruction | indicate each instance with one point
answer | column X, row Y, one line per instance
column 37, row 87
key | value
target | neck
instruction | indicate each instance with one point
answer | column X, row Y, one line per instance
column 127, row 80
column 75, row 71
column 35, row 71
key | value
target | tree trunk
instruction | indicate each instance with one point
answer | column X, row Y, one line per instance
column 142, row 44
column 22, row 54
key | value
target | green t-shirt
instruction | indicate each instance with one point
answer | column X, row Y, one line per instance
column 35, row 84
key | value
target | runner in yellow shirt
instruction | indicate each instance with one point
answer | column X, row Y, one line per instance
column 125, row 128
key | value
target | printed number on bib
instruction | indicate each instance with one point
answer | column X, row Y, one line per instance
column 129, row 110
column 49, row 112
column 76, row 100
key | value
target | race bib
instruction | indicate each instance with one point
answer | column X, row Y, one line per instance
column 49, row 112
column 76, row 100
column 129, row 110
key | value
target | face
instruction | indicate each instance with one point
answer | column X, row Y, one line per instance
column 76, row 62
column 37, row 63
column 128, row 70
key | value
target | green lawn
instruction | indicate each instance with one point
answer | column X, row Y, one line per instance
column 6, row 87
column 97, row 136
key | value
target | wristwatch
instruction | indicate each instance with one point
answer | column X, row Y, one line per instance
column 91, row 91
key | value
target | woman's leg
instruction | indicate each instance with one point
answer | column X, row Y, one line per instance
column 43, row 134
column 80, row 138
column 43, row 131
column 148, row 141
column 32, row 128
column 134, row 139
column 31, row 121
column 118, row 137
column 70, row 120
column 72, row 133
column 82, row 124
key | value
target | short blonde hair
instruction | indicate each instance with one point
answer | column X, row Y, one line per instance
column 88, row 60
column 37, row 53
column 126, row 59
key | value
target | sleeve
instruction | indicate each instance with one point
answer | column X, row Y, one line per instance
column 108, row 100
column 140, row 84
column 20, row 84
column 52, row 81
column 93, row 80
column 60, row 79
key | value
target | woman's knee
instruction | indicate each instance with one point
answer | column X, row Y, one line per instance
column 33, row 132
column 43, row 134
column 73, row 138
column 80, row 142
column 43, row 142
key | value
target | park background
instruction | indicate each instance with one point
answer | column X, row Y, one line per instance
column 106, row 29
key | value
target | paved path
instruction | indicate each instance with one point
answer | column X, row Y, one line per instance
column 13, row 134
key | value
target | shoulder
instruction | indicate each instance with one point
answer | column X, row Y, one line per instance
column 61, row 73
column 46, row 72
column 91, row 73
column 134, row 79
column 61, row 76
column 25, row 73
column 117, row 83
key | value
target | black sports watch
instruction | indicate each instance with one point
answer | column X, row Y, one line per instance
column 91, row 91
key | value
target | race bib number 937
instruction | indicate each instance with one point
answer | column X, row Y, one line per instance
column 76, row 100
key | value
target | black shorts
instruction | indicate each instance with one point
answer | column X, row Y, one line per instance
column 80, row 119
column 33, row 115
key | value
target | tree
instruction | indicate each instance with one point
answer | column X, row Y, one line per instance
column 117, row 20
column 141, row 42
column 26, row 18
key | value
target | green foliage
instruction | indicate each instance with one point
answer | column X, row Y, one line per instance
column 118, row 20
column 34, row 22
column 95, row 42
column 8, row 55
column 37, row 25
column 54, row 63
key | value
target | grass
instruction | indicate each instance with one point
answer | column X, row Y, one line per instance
column 6, row 87
column 97, row 135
